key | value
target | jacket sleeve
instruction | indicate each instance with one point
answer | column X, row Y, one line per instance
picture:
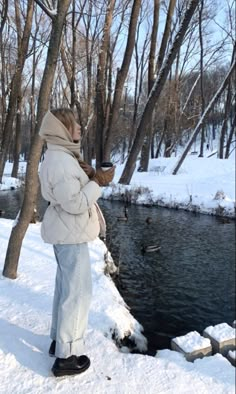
column 74, row 199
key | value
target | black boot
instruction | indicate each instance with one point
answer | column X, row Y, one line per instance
column 52, row 349
column 70, row 366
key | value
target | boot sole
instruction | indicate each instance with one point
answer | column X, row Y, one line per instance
column 64, row 372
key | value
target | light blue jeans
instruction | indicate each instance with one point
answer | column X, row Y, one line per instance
column 72, row 297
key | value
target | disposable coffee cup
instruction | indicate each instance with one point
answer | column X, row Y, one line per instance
column 106, row 165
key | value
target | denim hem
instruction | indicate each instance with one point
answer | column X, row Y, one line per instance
column 64, row 350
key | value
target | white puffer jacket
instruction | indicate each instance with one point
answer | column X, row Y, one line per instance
column 71, row 217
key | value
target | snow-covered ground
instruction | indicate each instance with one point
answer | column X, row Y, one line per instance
column 25, row 313
column 205, row 185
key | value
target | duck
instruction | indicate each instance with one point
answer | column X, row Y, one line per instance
column 125, row 217
column 224, row 220
column 148, row 220
column 1, row 212
column 150, row 248
column 122, row 218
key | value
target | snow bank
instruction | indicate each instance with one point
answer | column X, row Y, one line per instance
column 204, row 185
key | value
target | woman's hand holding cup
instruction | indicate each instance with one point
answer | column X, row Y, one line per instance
column 105, row 174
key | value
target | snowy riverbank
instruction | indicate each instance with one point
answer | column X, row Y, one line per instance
column 202, row 185
column 25, row 312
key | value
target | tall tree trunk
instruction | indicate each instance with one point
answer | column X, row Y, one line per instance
column 151, row 78
column 31, row 186
column 155, row 94
column 201, row 78
column 166, row 35
column 227, row 112
column 32, row 98
column 4, row 12
column 159, row 145
column 206, row 112
column 231, row 133
column 15, row 86
column 17, row 142
column 225, row 121
column 101, row 85
column 121, row 77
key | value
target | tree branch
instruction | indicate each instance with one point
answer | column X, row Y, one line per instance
column 50, row 13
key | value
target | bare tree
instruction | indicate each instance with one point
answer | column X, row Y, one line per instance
column 206, row 112
column 151, row 78
column 140, row 66
column 16, row 81
column 166, row 35
column 121, row 77
column 201, row 6
column 230, row 138
column 31, row 186
column 101, row 84
column 4, row 12
column 155, row 94
column 225, row 121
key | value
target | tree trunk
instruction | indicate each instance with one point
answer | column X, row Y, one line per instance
column 155, row 94
column 17, row 142
column 206, row 112
column 159, row 145
column 31, row 186
column 227, row 112
column 166, row 34
column 15, row 86
column 121, row 77
column 101, row 85
column 201, row 78
column 2, row 71
column 224, row 124
column 231, row 133
column 151, row 78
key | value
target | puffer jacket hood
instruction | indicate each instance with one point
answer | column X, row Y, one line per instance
column 54, row 132
column 52, row 127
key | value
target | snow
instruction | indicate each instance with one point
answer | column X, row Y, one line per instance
column 232, row 354
column 221, row 332
column 192, row 341
column 195, row 188
column 9, row 183
column 25, row 313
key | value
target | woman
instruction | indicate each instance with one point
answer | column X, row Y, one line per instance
column 69, row 223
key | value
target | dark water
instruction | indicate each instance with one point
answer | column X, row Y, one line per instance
column 11, row 201
column 188, row 285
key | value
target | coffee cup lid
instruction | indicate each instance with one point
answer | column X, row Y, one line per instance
column 106, row 164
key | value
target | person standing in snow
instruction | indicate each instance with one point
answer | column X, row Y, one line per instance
column 72, row 188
